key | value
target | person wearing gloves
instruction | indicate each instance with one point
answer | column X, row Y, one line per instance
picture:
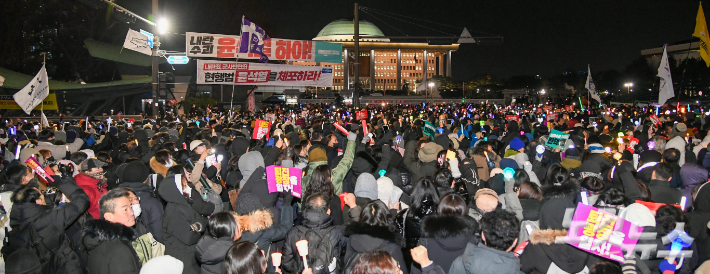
column 318, row 157
column 183, row 222
column 31, row 212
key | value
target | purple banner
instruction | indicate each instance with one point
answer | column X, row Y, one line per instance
column 601, row 233
column 284, row 179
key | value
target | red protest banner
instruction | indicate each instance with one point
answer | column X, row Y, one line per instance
column 552, row 117
column 261, row 129
column 512, row 117
column 655, row 119
column 569, row 108
column 361, row 115
column 548, row 108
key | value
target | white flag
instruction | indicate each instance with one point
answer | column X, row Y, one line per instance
column 137, row 41
column 33, row 93
column 666, row 86
column 2, row 80
column 591, row 87
column 45, row 122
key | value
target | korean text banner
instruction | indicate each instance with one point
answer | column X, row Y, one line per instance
column 601, row 233
column 284, row 179
column 227, row 46
column 261, row 129
column 49, row 103
column 557, row 139
column 259, row 74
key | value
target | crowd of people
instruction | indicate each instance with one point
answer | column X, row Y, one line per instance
column 391, row 189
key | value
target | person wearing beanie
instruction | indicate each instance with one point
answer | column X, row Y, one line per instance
column 485, row 200
column 163, row 265
column 517, row 151
column 134, row 176
column 340, row 171
column 365, row 192
column 387, row 192
column 678, row 142
column 572, row 160
column 426, row 164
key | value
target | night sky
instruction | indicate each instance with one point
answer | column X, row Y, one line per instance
column 541, row 37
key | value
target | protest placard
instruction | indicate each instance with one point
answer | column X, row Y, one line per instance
column 284, row 179
column 261, row 129
column 600, row 233
column 557, row 138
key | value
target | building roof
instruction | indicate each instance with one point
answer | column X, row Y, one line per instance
column 16, row 80
column 343, row 30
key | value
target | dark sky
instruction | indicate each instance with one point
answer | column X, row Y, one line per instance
column 541, row 37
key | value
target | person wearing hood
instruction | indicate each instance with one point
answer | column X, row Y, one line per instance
column 222, row 231
column 183, row 222
column 647, row 160
column 318, row 157
column 572, row 160
column 447, row 233
column 375, row 230
column 30, row 212
column 315, row 219
column 678, row 142
column 161, row 162
column 91, row 179
column 239, row 146
column 424, row 164
column 485, row 159
column 108, row 240
column 365, row 192
column 661, row 191
column 134, row 175
column 257, row 221
column 424, row 201
column 499, row 236
column 692, row 175
column 542, row 254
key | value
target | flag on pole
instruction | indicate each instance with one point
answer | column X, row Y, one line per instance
column 137, row 41
column 34, row 92
column 591, row 87
column 252, row 40
column 666, row 85
column 701, row 31
column 45, row 122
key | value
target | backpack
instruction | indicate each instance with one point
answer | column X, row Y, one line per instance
column 52, row 261
column 322, row 255
column 147, row 247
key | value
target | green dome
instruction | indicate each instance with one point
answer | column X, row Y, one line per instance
column 346, row 27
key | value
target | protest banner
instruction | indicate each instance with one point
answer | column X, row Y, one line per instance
column 49, row 103
column 33, row 164
column 551, row 117
column 260, row 74
column 548, row 108
column 655, row 119
column 361, row 114
column 601, row 233
column 261, row 129
column 512, row 117
column 557, row 138
column 429, row 129
column 284, row 179
column 569, row 108
column 206, row 45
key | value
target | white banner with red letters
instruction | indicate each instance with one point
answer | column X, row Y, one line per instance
column 260, row 74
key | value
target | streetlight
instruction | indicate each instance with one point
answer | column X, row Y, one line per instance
column 628, row 87
column 431, row 86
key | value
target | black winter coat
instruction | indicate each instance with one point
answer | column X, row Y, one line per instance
column 51, row 223
column 542, row 251
column 152, row 210
column 409, row 224
column 180, row 213
column 211, row 252
column 317, row 221
column 110, row 249
column 364, row 237
column 445, row 238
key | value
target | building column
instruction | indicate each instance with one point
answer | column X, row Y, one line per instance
column 448, row 64
column 399, row 69
column 372, row 70
column 440, row 66
column 346, row 73
column 424, row 74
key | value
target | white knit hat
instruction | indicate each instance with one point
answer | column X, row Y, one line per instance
column 162, row 264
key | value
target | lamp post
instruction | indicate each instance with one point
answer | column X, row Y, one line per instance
column 431, row 86
column 628, row 87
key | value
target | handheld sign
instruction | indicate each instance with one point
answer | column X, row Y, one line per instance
column 557, row 139
column 603, row 234
column 284, row 179
column 361, row 115
column 37, row 168
column 261, row 129
column 512, row 117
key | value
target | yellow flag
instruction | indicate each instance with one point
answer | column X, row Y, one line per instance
column 701, row 31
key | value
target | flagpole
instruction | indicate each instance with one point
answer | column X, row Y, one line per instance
column 231, row 99
column 682, row 80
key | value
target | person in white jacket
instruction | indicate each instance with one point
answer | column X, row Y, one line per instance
column 678, row 142
column 46, row 138
column 703, row 144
